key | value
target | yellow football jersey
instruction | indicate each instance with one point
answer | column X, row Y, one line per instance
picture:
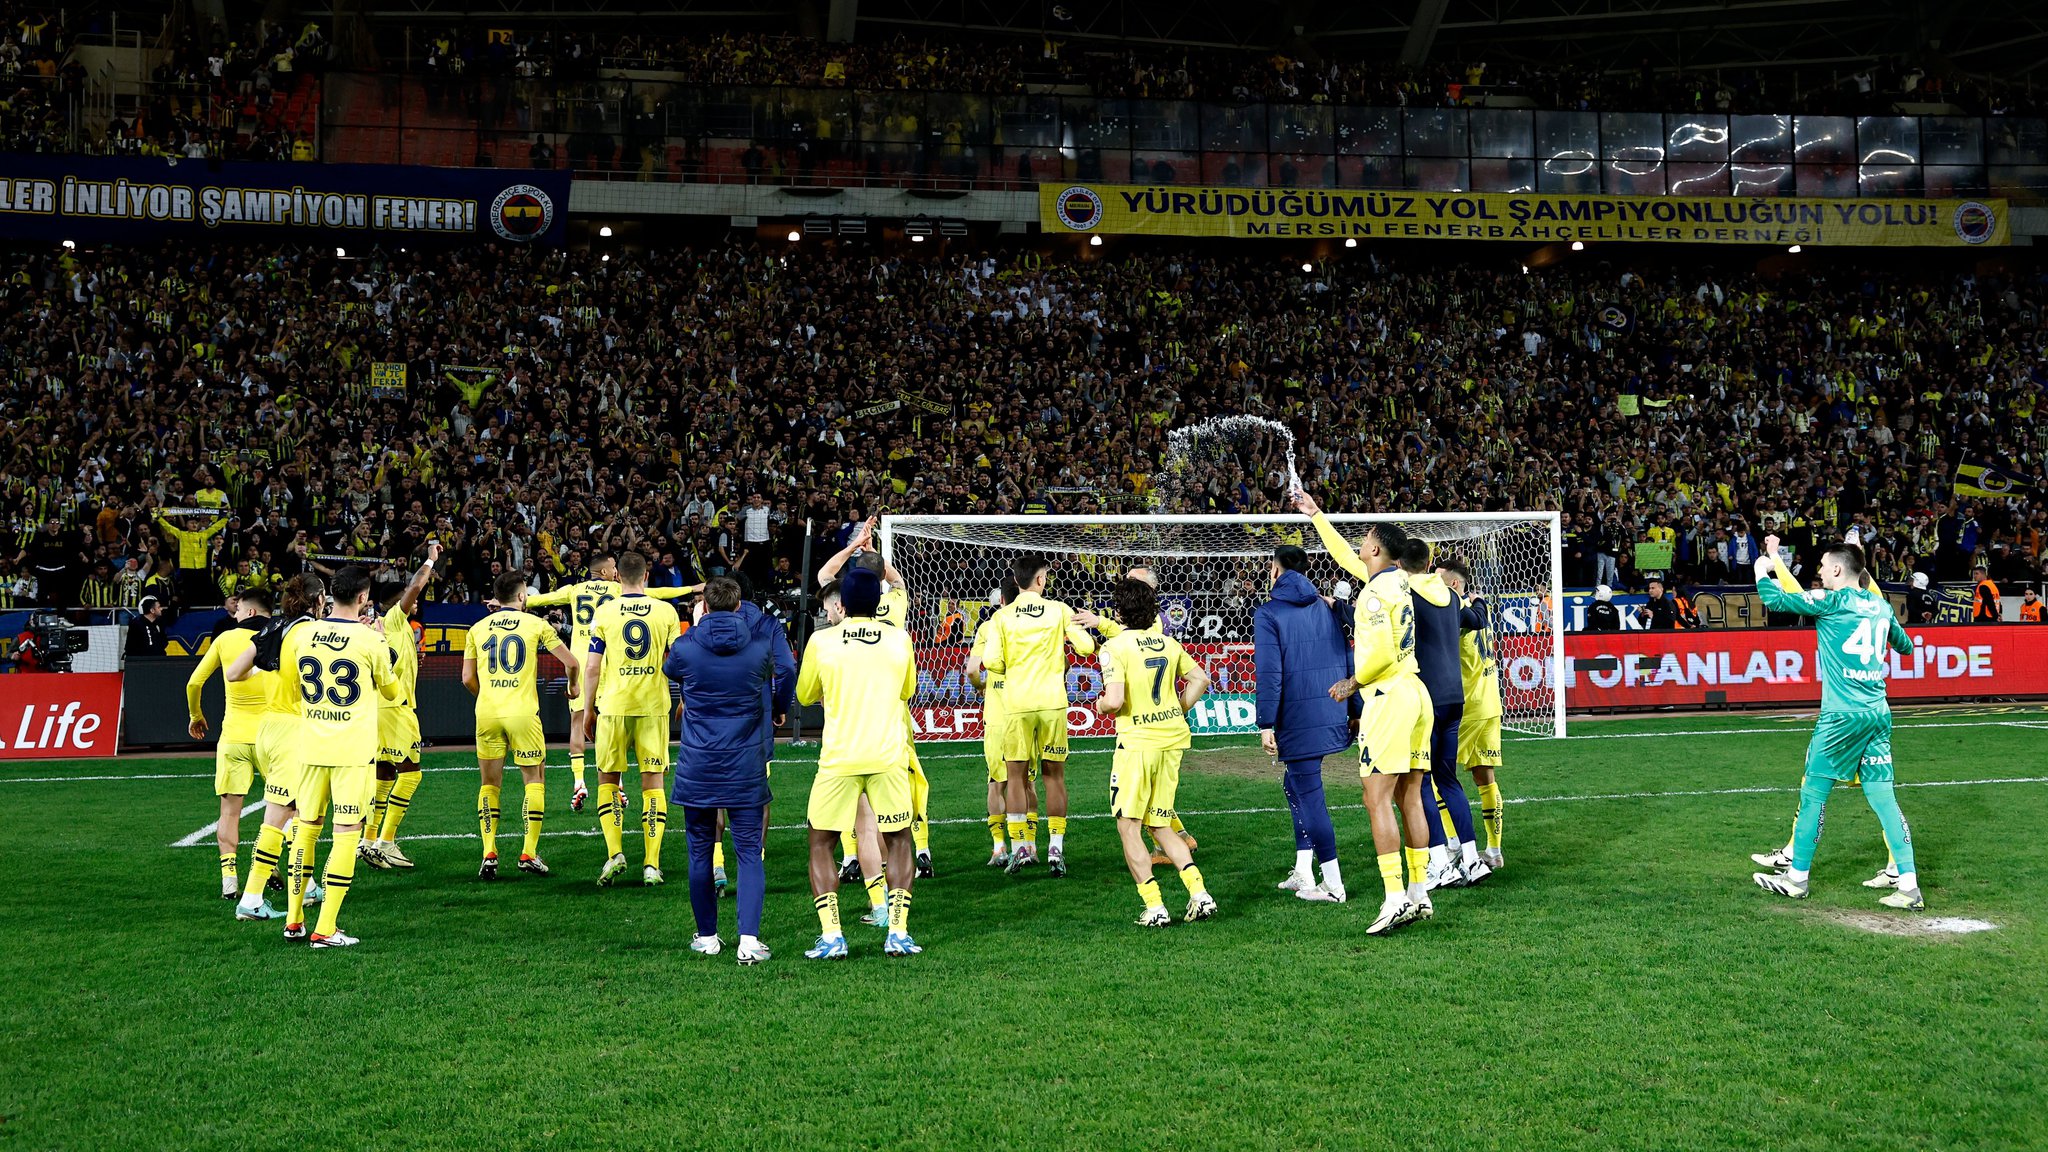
column 632, row 636
column 894, row 608
column 992, row 691
column 245, row 699
column 405, row 658
column 864, row 673
column 506, row 648
column 1150, row 665
column 584, row 600
column 339, row 669
column 1029, row 649
column 1383, row 617
column 1480, row 668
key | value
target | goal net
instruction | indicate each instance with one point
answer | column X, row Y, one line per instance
column 1212, row 576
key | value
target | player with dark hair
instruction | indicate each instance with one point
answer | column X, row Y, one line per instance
column 278, row 757
column 398, row 723
column 1479, row 727
column 629, row 638
column 994, row 736
column 1394, row 713
column 1852, row 740
column 234, row 759
column 1148, row 683
column 1029, row 650
column 1454, row 851
column 501, row 668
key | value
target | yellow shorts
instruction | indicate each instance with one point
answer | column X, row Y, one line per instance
column 349, row 786
column 518, row 738
column 1479, row 742
column 398, row 736
column 629, row 744
column 836, row 796
column 234, row 769
column 277, row 757
column 1042, row 733
column 920, row 788
column 1394, row 728
column 993, row 752
column 1143, row 784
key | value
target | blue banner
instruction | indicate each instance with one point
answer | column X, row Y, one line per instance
column 106, row 198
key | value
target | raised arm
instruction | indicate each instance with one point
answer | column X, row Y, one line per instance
column 1777, row 598
column 861, row 535
column 1784, row 577
column 414, row 588
column 550, row 599
column 672, row 592
column 1334, row 543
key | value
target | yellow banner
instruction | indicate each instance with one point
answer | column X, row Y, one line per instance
column 1318, row 213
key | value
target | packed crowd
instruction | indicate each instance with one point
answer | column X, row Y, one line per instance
column 704, row 406
column 35, row 83
column 218, row 95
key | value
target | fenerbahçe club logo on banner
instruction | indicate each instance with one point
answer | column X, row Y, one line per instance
column 1974, row 222
column 1080, row 208
column 522, row 213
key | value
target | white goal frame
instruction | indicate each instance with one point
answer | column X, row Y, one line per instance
column 1554, row 521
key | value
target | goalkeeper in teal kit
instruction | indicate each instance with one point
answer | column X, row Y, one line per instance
column 1853, row 738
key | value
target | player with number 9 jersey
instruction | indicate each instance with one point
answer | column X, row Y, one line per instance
column 631, row 636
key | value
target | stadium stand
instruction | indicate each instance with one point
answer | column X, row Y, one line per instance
column 561, row 402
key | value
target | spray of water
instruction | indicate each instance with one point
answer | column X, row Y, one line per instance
column 1195, row 452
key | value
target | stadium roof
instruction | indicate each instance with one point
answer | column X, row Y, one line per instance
column 2003, row 39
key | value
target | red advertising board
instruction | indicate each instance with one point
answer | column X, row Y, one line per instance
column 57, row 715
column 1776, row 666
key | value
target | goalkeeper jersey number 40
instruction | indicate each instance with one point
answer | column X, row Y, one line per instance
column 1854, row 630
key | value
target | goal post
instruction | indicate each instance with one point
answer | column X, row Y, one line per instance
column 1212, row 577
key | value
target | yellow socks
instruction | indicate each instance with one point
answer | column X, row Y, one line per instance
column 1148, row 893
column 1192, row 877
column 1030, row 826
column 487, row 817
column 536, row 811
column 718, row 853
column 1016, row 825
column 402, row 790
column 610, row 821
column 1390, row 872
column 899, row 912
column 380, row 801
column 263, row 863
column 1418, row 864
column 341, row 872
column 653, row 822
column 228, row 870
column 878, row 887
column 828, row 914
column 1056, row 826
column 995, row 831
column 920, row 832
column 848, row 846
column 304, row 837
column 1489, row 813
column 576, row 766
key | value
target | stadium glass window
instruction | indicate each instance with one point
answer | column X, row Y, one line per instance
column 1696, row 179
column 1635, row 137
column 1760, row 139
column 2012, row 140
column 1234, row 127
column 1824, row 139
column 1300, row 128
column 1491, row 174
column 1696, row 138
column 1368, row 131
column 1438, row 174
column 1827, row 180
column 1433, row 132
column 1761, row 180
column 1632, row 178
column 1506, row 133
column 1951, row 140
column 1888, row 180
column 1887, row 141
column 1954, row 180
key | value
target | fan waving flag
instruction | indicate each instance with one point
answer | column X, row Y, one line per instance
column 1978, row 478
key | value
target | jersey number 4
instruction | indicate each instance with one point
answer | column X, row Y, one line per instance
column 340, row 681
column 1867, row 642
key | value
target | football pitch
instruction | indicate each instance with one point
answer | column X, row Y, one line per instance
column 1620, row 984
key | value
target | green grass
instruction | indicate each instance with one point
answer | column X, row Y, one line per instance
column 1620, row 985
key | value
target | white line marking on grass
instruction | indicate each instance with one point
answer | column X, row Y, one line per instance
column 1757, row 791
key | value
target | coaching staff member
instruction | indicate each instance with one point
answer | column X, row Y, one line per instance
column 739, row 681
column 1299, row 651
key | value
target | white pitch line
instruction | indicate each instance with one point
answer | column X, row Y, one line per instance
column 1679, row 794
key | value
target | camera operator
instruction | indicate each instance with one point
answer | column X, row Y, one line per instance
column 146, row 635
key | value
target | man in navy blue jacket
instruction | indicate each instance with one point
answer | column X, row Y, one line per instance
column 1300, row 650
column 739, row 682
